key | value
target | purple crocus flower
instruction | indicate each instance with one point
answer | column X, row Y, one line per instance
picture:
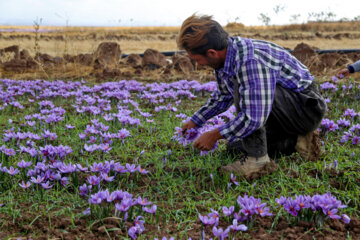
column 343, row 122
column 125, row 204
column 64, row 181
column 355, row 140
column 331, row 213
column 54, row 176
column 235, row 227
column 206, row 220
column 335, row 164
column 84, row 190
column 90, row 148
column 106, row 177
column 139, row 222
column 303, row 201
column 69, row 126
column 345, row 218
column 142, row 201
column 9, row 152
column 120, row 168
column 131, row 167
column 191, row 134
column 280, row 200
column 346, row 137
column 142, row 170
column 220, row 233
column 39, row 179
column 23, row 164
column 133, row 231
column 13, row 171
column 81, row 168
column 349, row 113
column 97, row 167
column 228, row 211
column 82, row 136
column 94, row 180
column 25, row 184
column 292, row 207
column 123, row 133
column 233, row 179
column 95, row 198
column 92, row 139
column 151, row 210
column 46, row 185
column 86, row 212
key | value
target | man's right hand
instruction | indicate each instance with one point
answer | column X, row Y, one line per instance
column 190, row 124
column 343, row 73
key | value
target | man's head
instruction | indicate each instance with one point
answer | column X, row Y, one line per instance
column 204, row 40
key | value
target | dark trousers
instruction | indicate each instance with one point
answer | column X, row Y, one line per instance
column 292, row 114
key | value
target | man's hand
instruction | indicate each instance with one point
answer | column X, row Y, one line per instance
column 190, row 124
column 343, row 72
column 207, row 140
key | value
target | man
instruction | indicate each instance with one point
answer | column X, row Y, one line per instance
column 352, row 68
column 278, row 104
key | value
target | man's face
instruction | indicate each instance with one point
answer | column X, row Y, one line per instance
column 211, row 60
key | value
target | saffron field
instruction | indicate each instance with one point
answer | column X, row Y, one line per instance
column 82, row 160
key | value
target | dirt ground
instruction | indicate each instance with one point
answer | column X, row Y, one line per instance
column 65, row 228
column 72, row 53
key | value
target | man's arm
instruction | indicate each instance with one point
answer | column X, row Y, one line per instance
column 219, row 102
column 355, row 67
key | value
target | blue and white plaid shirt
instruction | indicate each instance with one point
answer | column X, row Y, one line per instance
column 258, row 66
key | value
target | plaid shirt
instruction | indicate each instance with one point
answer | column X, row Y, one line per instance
column 257, row 66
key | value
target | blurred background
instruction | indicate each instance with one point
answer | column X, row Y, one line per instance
column 61, row 39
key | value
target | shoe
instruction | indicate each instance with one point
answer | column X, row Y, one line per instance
column 308, row 146
column 247, row 165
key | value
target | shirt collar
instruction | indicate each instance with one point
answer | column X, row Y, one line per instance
column 228, row 68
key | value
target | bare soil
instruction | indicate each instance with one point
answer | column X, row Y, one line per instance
column 64, row 228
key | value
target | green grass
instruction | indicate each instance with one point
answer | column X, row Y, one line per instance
column 181, row 187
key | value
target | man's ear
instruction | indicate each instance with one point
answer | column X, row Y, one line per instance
column 211, row 53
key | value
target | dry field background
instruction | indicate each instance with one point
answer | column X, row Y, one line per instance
column 58, row 41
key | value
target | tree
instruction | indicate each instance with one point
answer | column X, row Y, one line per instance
column 279, row 8
column 294, row 18
column 264, row 18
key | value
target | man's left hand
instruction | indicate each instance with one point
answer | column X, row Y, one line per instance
column 207, row 140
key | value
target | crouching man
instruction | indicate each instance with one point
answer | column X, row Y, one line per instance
column 278, row 104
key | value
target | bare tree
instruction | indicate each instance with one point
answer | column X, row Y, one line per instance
column 279, row 8
column 294, row 18
column 264, row 18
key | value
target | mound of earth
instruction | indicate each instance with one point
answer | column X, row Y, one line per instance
column 107, row 62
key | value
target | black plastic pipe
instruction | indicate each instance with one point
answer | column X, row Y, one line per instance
column 340, row 51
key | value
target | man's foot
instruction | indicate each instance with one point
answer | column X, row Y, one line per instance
column 246, row 166
column 309, row 146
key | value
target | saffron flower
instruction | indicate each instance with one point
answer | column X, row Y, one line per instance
column 220, row 233
column 228, row 211
column 13, row 171
column 94, row 180
column 23, row 164
column 233, row 179
column 46, row 185
column 25, row 184
column 151, row 210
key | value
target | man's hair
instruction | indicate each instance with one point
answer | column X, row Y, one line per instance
column 201, row 33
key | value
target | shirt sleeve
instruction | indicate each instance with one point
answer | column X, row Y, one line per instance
column 355, row 67
column 219, row 102
column 256, row 87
